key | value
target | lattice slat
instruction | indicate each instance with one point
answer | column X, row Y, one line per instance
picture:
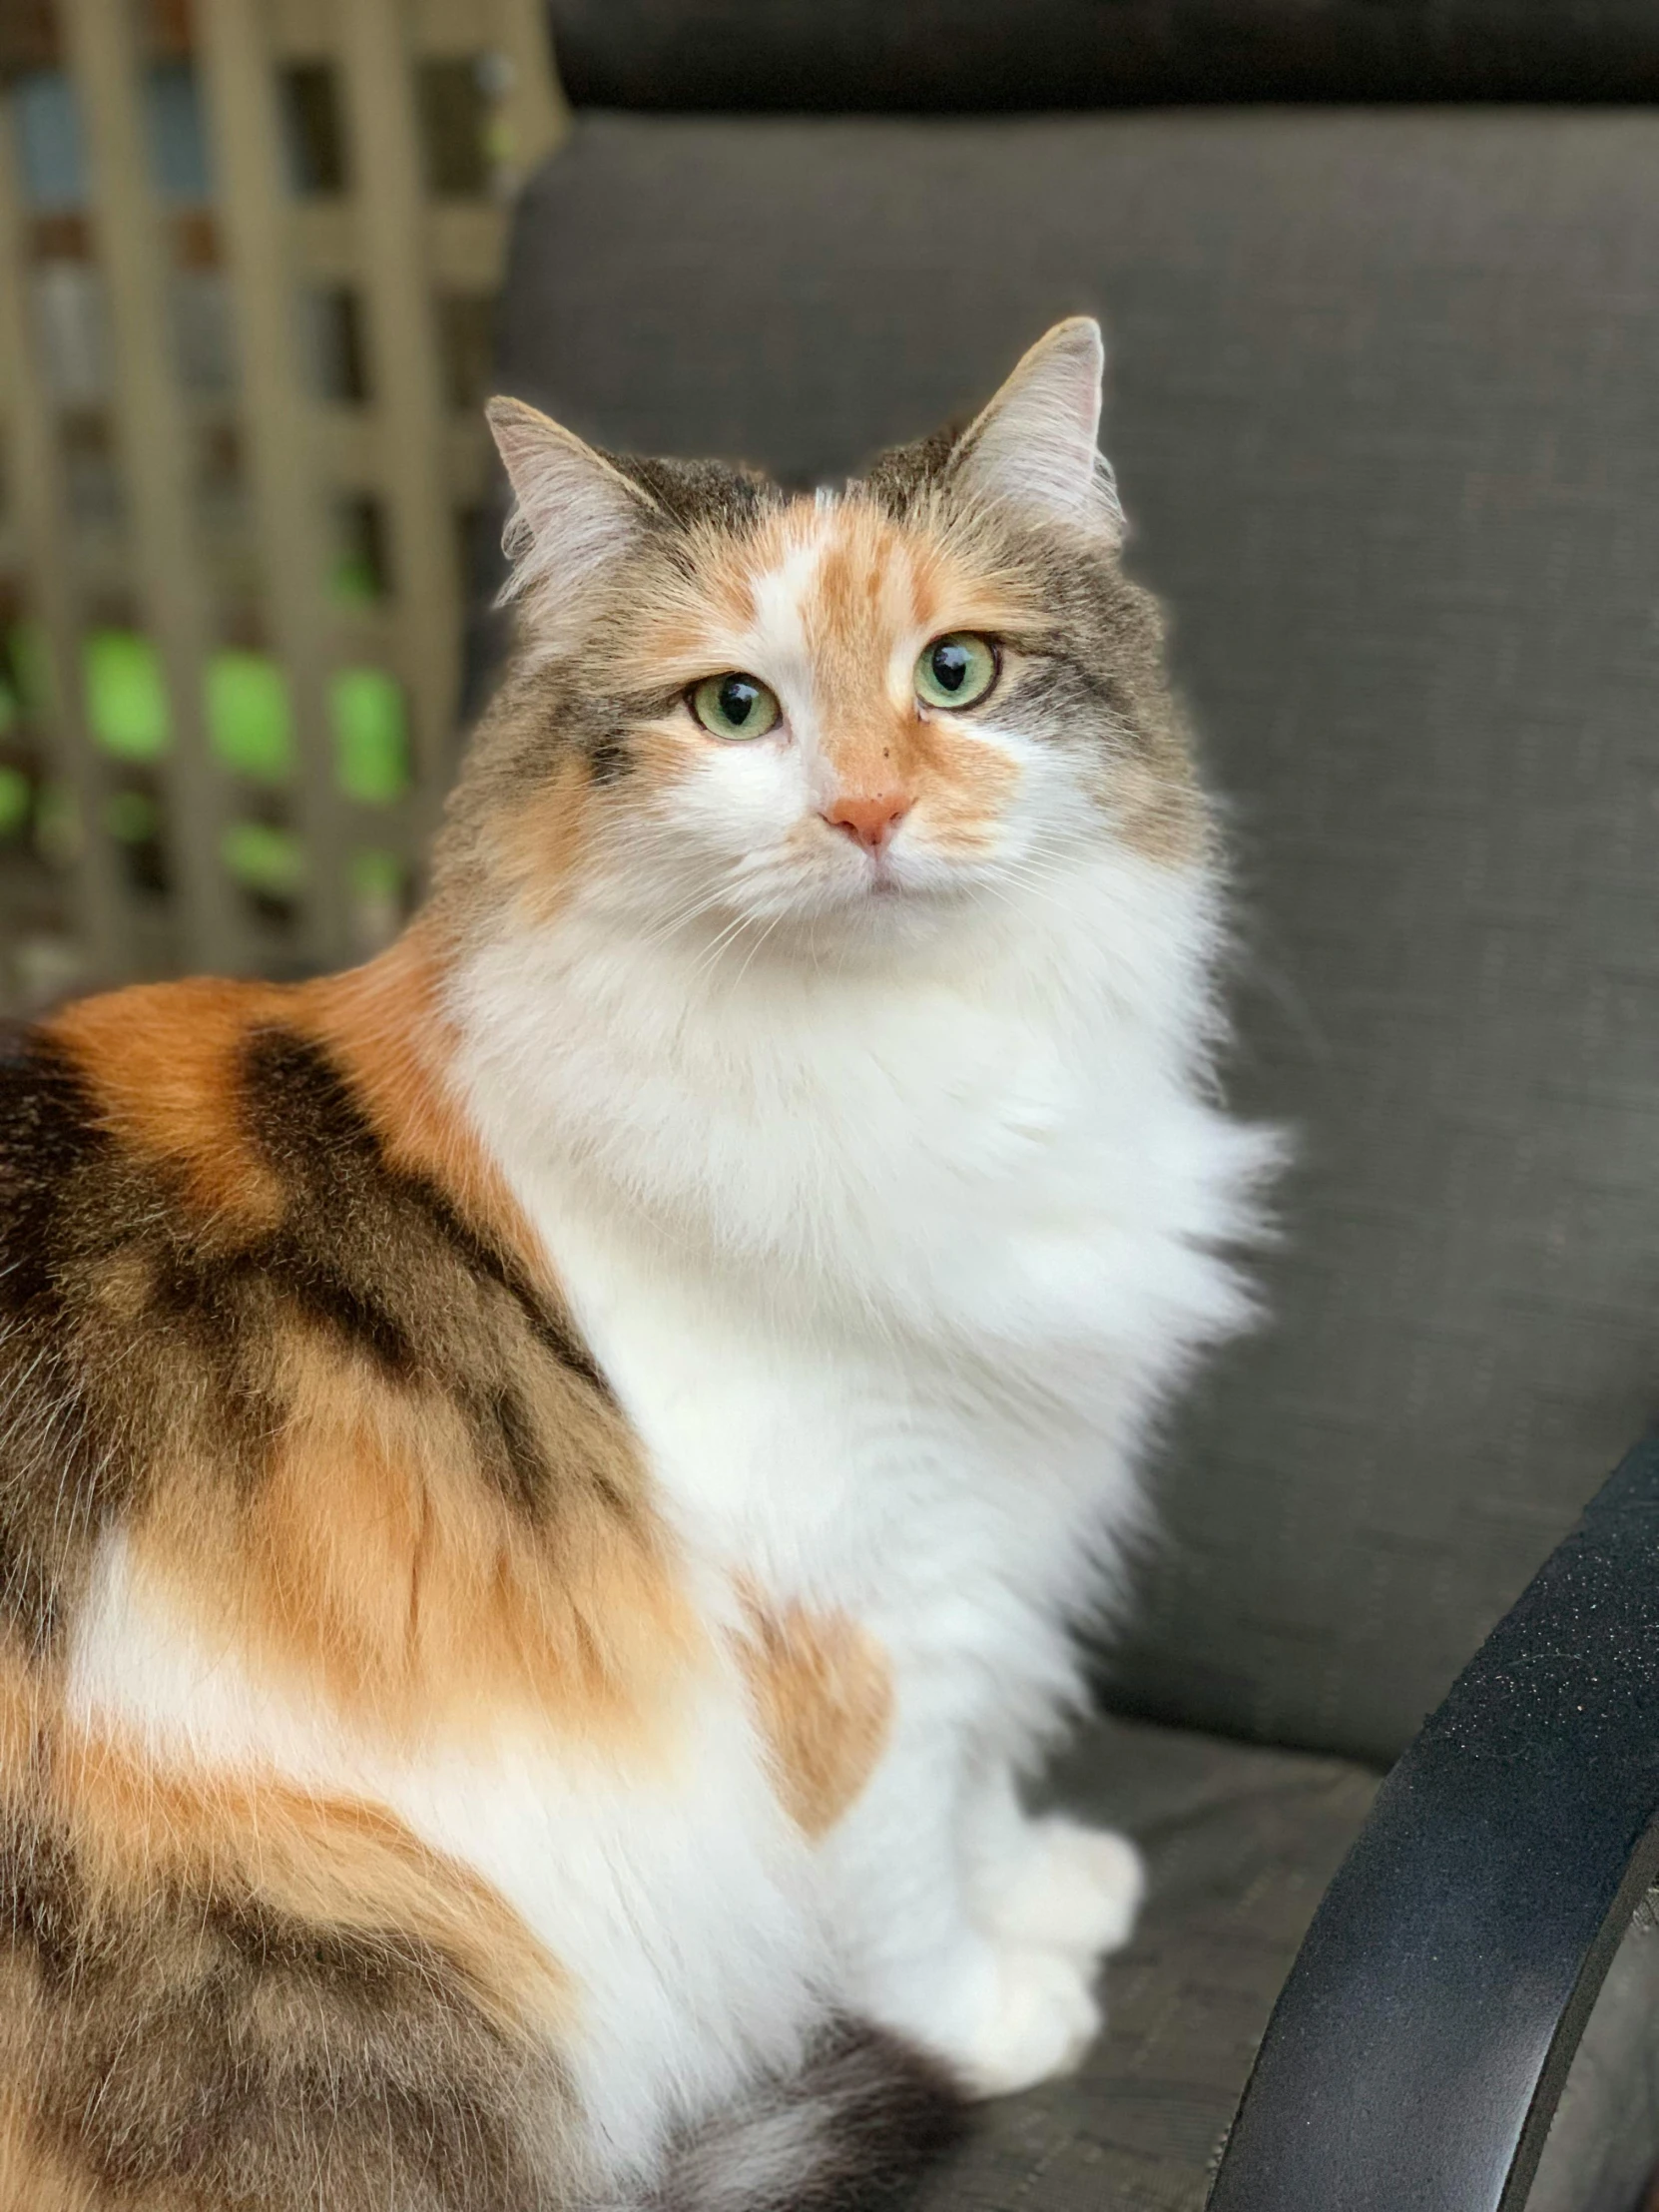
column 409, row 410
column 39, row 501
column 168, row 580
column 282, row 465
column 283, row 546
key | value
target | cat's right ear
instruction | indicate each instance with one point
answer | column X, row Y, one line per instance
column 1036, row 444
column 574, row 513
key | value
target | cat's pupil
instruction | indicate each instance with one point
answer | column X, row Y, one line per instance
column 737, row 699
column 950, row 666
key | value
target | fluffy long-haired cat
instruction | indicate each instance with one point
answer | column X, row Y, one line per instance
column 546, row 1483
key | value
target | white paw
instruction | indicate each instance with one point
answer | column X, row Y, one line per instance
column 1075, row 1890
column 1045, row 2019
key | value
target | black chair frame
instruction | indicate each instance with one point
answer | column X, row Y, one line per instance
column 1417, row 2053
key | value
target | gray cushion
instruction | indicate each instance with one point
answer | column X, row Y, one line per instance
column 1240, row 1846
column 934, row 56
column 1385, row 409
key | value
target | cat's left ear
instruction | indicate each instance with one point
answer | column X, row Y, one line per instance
column 1036, row 444
column 575, row 514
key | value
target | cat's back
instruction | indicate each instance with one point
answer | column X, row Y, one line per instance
column 118, row 1135
column 241, row 1240
column 46, row 1120
column 337, row 1620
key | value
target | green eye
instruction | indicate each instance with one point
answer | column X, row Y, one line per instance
column 957, row 671
column 735, row 706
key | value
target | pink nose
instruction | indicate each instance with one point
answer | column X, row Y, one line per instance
column 870, row 817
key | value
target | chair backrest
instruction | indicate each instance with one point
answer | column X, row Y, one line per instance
column 932, row 57
column 1385, row 415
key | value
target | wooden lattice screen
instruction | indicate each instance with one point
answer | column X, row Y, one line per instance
column 247, row 257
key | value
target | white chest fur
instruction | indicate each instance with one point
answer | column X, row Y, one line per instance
column 887, row 1270
column 887, row 1266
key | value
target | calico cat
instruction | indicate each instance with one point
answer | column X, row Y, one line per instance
column 546, row 1483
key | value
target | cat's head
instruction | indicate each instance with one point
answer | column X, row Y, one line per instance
column 847, row 715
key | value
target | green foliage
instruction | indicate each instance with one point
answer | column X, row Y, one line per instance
column 250, row 718
column 371, row 735
column 16, row 803
column 127, row 701
column 265, row 859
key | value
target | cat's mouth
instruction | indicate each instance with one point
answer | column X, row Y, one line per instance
column 891, row 879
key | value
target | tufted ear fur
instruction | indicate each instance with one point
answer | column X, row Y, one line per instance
column 1034, row 444
column 573, row 512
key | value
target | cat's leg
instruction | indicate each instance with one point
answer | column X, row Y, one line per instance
column 1003, row 2011
column 1046, row 1879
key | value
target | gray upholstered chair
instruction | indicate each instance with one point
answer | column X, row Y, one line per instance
column 1384, row 407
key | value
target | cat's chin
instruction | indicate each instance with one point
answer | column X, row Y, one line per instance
column 887, row 887
column 898, row 920
column 885, row 900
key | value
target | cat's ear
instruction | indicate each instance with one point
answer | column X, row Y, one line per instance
column 574, row 513
column 1036, row 444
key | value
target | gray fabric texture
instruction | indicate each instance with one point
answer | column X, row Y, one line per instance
column 1240, row 1844
column 1604, row 2140
column 1385, row 406
column 933, row 57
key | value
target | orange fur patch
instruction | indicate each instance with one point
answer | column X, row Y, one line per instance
column 161, row 1060
column 337, row 1862
column 878, row 593
column 33, row 2178
column 537, row 850
column 164, row 1059
column 823, row 1689
column 386, row 1027
column 164, row 1062
column 379, row 1565
column 966, row 781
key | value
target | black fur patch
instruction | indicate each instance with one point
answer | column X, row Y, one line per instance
column 350, row 1212
column 610, row 760
column 58, row 1488
column 325, row 1296
column 895, row 2112
column 897, row 478
column 854, row 2132
column 550, row 1329
column 202, row 2046
column 48, row 1135
column 707, row 492
column 507, row 1447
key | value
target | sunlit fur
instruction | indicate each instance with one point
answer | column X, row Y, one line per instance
column 547, row 1484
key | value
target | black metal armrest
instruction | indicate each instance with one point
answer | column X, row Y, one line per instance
column 1417, row 2051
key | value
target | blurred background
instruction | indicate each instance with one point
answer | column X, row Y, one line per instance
column 248, row 252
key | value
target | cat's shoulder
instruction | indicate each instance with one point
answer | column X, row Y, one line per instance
column 127, row 1071
column 156, row 1075
column 48, row 1117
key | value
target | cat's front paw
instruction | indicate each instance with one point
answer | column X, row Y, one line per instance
column 1043, row 2020
column 1075, row 1890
